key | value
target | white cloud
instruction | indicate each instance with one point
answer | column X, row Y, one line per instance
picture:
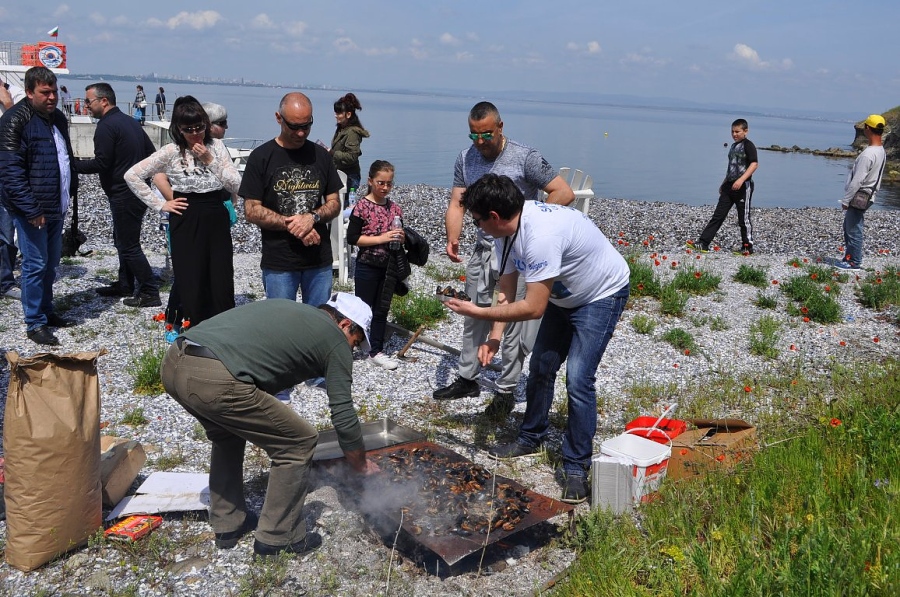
column 643, row 58
column 448, row 40
column 417, row 49
column 296, row 28
column 120, row 21
column 591, row 47
column 62, row 11
column 380, row 51
column 465, row 56
column 203, row 19
column 750, row 57
column 261, row 21
column 97, row 18
column 344, row 44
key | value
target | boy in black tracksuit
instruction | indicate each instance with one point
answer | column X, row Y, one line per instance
column 736, row 189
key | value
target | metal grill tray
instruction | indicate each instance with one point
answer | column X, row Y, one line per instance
column 376, row 435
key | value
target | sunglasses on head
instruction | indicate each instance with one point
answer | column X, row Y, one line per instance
column 299, row 126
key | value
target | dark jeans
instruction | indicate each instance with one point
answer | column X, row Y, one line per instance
column 740, row 199
column 7, row 251
column 578, row 336
column 41, row 250
column 233, row 413
column 369, row 286
column 135, row 272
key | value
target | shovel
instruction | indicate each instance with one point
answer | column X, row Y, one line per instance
column 401, row 354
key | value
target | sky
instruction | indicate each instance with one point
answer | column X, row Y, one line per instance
column 821, row 56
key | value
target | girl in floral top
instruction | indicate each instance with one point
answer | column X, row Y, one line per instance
column 198, row 168
column 369, row 229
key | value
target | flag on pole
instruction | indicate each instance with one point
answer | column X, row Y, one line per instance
column 54, row 32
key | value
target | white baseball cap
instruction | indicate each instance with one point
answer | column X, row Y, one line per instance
column 356, row 310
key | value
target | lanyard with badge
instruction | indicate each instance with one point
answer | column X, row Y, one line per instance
column 508, row 243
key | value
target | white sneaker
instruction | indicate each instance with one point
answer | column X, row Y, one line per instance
column 384, row 361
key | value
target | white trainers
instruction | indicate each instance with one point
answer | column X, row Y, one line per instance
column 384, row 361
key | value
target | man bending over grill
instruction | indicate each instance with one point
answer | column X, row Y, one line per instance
column 578, row 282
column 225, row 371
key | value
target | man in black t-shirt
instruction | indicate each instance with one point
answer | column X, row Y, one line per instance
column 290, row 189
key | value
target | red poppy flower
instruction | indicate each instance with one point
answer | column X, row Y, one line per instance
column 813, row 276
column 674, row 264
column 827, row 288
column 835, row 422
column 698, row 275
column 806, row 320
column 650, row 237
column 687, row 352
column 793, row 382
column 805, row 260
column 462, row 278
column 842, row 343
column 675, row 365
column 159, row 317
column 168, row 327
column 626, row 243
column 876, row 339
column 878, row 280
column 793, row 347
column 646, row 243
column 748, row 389
column 641, row 286
column 652, row 255
column 656, row 262
column 720, row 458
column 620, row 241
column 664, row 257
column 688, row 251
column 795, row 264
column 716, row 248
column 774, row 281
column 185, row 324
column 698, row 257
column 621, row 233
column 804, row 310
column 683, row 451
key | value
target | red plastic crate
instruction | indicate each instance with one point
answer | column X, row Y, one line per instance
column 667, row 429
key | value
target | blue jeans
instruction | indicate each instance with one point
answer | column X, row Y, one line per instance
column 41, row 249
column 7, row 251
column 314, row 285
column 853, row 236
column 579, row 335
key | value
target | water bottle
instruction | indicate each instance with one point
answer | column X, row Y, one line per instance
column 351, row 197
column 397, row 224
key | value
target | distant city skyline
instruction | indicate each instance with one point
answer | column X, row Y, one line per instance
column 826, row 56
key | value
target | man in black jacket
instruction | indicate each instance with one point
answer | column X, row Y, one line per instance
column 119, row 144
column 36, row 185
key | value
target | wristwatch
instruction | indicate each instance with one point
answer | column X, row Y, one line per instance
column 316, row 218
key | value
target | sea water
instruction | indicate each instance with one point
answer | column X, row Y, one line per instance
column 647, row 154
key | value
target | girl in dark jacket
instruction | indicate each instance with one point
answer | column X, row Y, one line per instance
column 348, row 136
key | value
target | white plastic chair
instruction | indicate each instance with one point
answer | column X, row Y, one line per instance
column 340, row 250
column 581, row 184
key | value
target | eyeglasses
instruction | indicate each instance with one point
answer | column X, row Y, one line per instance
column 88, row 101
column 384, row 183
column 221, row 123
column 300, row 126
column 192, row 130
column 478, row 221
column 482, row 136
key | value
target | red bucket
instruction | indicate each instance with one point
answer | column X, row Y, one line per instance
column 665, row 431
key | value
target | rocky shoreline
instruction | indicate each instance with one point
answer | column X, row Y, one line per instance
column 353, row 559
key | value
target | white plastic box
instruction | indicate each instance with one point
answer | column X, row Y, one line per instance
column 642, row 461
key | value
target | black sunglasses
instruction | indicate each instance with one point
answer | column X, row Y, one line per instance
column 222, row 123
column 300, row 126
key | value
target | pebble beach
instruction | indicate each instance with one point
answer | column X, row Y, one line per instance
column 353, row 560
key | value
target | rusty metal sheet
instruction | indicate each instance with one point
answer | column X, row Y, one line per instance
column 386, row 504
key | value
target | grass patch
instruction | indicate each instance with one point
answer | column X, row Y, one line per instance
column 880, row 289
column 764, row 335
column 681, row 340
column 718, row 324
column 643, row 324
column 672, row 301
column 144, row 368
column 134, row 417
column 417, row 308
column 167, row 462
column 813, row 515
column 696, row 281
column 446, row 272
column 752, row 275
column 816, row 303
column 642, row 280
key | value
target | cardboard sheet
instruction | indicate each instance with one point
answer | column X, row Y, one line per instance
column 166, row 492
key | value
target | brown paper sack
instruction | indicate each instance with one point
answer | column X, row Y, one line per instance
column 51, row 441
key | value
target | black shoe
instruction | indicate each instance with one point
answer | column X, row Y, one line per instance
column 43, row 335
column 502, row 404
column 702, row 246
column 113, row 290
column 461, row 388
column 513, row 450
column 230, row 539
column 55, row 321
column 309, row 543
column 143, row 300
column 575, row 490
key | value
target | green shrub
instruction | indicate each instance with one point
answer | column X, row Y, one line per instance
column 144, row 369
column 643, row 280
column 134, row 417
column 643, row 324
column 681, row 340
column 764, row 335
column 672, row 301
column 765, row 301
column 880, row 289
column 752, row 275
column 417, row 308
column 695, row 281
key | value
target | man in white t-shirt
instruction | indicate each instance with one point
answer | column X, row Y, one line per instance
column 577, row 281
